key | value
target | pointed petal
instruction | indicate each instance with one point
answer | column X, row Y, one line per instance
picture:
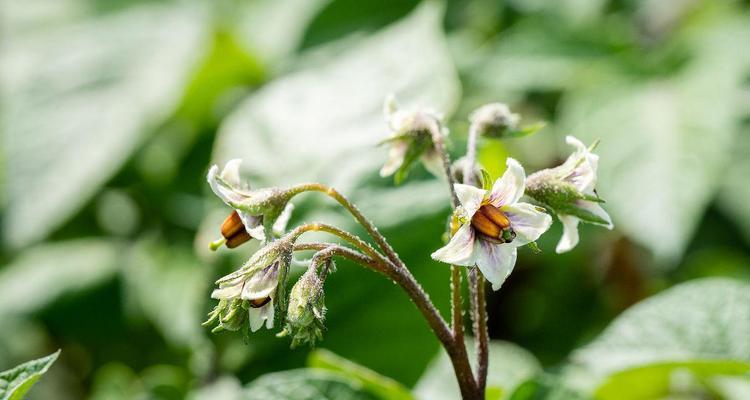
column 495, row 260
column 227, row 194
column 253, row 225
column 460, row 249
column 597, row 210
column 569, row 239
column 262, row 283
column 583, row 165
column 396, row 154
column 231, row 172
column 509, row 188
column 470, row 197
column 433, row 162
column 228, row 291
column 279, row 227
column 527, row 221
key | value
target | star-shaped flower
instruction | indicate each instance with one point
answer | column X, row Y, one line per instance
column 492, row 225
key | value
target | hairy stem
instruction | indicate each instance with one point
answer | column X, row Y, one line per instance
column 439, row 142
column 476, row 280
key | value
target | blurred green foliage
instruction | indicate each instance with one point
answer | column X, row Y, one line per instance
column 112, row 112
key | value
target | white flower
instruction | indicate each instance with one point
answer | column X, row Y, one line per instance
column 493, row 225
column 569, row 190
column 411, row 139
column 246, row 222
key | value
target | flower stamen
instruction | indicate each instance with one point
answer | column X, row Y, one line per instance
column 234, row 231
column 493, row 224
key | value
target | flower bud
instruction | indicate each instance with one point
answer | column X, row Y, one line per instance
column 459, row 168
column 494, row 120
column 306, row 313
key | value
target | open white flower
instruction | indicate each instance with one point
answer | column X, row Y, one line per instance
column 569, row 190
column 242, row 224
column 493, row 224
column 411, row 139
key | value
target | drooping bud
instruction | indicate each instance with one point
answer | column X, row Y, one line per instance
column 495, row 120
column 306, row 314
column 459, row 168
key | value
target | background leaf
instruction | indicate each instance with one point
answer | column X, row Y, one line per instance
column 132, row 65
column 304, row 384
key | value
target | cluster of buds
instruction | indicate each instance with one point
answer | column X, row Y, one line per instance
column 413, row 136
column 495, row 120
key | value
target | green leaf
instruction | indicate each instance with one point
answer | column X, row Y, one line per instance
column 305, row 384
column 658, row 380
column 702, row 320
column 169, row 286
column 51, row 271
column 545, row 387
column 74, row 109
column 379, row 385
column 509, row 366
column 665, row 139
column 15, row 382
column 306, row 125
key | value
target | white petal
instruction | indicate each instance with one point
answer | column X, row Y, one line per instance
column 527, row 221
column 495, row 260
column 597, row 210
column 396, row 154
column 253, row 225
column 509, row 188
column 569, row 239
column 227, row 194
column 433, row 162
column 228, row 291
column 583, row 165
column 261, row 284
column 257, row 316
column 279, row 227
column 231, row 172
column 460, row 249
column 470, row 197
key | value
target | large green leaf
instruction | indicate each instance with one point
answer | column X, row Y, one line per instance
column 509, row 366
column 661, row 380
column 15, row 382
column 665, row 140
column 77, row 100
column 383, row 387
column 307, row 125
column 42, row 274
column 735, row 192
column 707, row 319
column 169, row 286
column 305, row 384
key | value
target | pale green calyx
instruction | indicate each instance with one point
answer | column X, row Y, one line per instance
column 412, row 138
column 306, row 313
column 569, row 191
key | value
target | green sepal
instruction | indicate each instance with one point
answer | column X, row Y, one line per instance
column 486, row 179
column 526, row 130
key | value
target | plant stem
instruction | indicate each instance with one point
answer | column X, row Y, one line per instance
column 439, row 143
column 476, row 280
column 348, row 236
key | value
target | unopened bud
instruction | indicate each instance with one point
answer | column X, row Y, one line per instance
column 494, row 120
column 306, row 312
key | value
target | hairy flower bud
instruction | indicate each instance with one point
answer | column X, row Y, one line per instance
column 495, row 120
column 306, row 312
